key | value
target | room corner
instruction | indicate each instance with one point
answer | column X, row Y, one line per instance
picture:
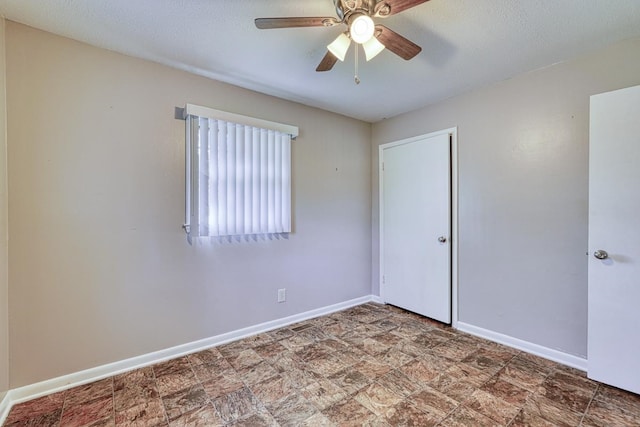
column 4, row 315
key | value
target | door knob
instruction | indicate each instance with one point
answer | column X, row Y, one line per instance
column 442, row 239
column 600, row 254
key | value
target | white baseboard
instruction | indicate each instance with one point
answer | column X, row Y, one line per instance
column 32, row 391
column 5, row 406
column 376, row 299
column 538, row 350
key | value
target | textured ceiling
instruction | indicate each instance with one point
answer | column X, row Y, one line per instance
column 466, row 43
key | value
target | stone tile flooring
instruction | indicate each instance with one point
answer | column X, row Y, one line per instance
column 371, row 365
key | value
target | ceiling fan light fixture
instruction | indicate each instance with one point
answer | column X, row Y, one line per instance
column 372, row 48
column 361, row 28
column 358, row 18
column 340, row 46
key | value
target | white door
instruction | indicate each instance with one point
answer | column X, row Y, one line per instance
column 416, row 225
column 614, row 236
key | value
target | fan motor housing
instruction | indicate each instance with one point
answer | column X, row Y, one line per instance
column 344, row 8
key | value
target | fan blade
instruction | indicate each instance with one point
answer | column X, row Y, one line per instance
column 327, row 62
column 405, row 49
column 391, row 7
column 269, row 23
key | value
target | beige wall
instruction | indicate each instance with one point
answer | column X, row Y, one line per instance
column 4, row 277
column 523, row 170
column 100, row 268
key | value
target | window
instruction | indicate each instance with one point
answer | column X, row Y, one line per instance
column 238, row 175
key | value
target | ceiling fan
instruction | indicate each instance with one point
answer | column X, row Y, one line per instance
column 358, row 16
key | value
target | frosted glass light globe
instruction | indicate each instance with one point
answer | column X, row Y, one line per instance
column 362, row 28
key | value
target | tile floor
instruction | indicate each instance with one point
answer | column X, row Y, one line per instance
column 371, row 365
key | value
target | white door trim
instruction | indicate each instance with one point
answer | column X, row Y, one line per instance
column 453, row 133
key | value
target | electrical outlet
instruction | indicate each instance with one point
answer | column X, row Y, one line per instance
column 282, row 295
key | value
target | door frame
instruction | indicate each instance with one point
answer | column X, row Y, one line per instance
column 453, row 239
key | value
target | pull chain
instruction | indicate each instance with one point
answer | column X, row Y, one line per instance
column 355, row 77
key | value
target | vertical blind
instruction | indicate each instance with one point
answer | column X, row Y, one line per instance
column 239, row 179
